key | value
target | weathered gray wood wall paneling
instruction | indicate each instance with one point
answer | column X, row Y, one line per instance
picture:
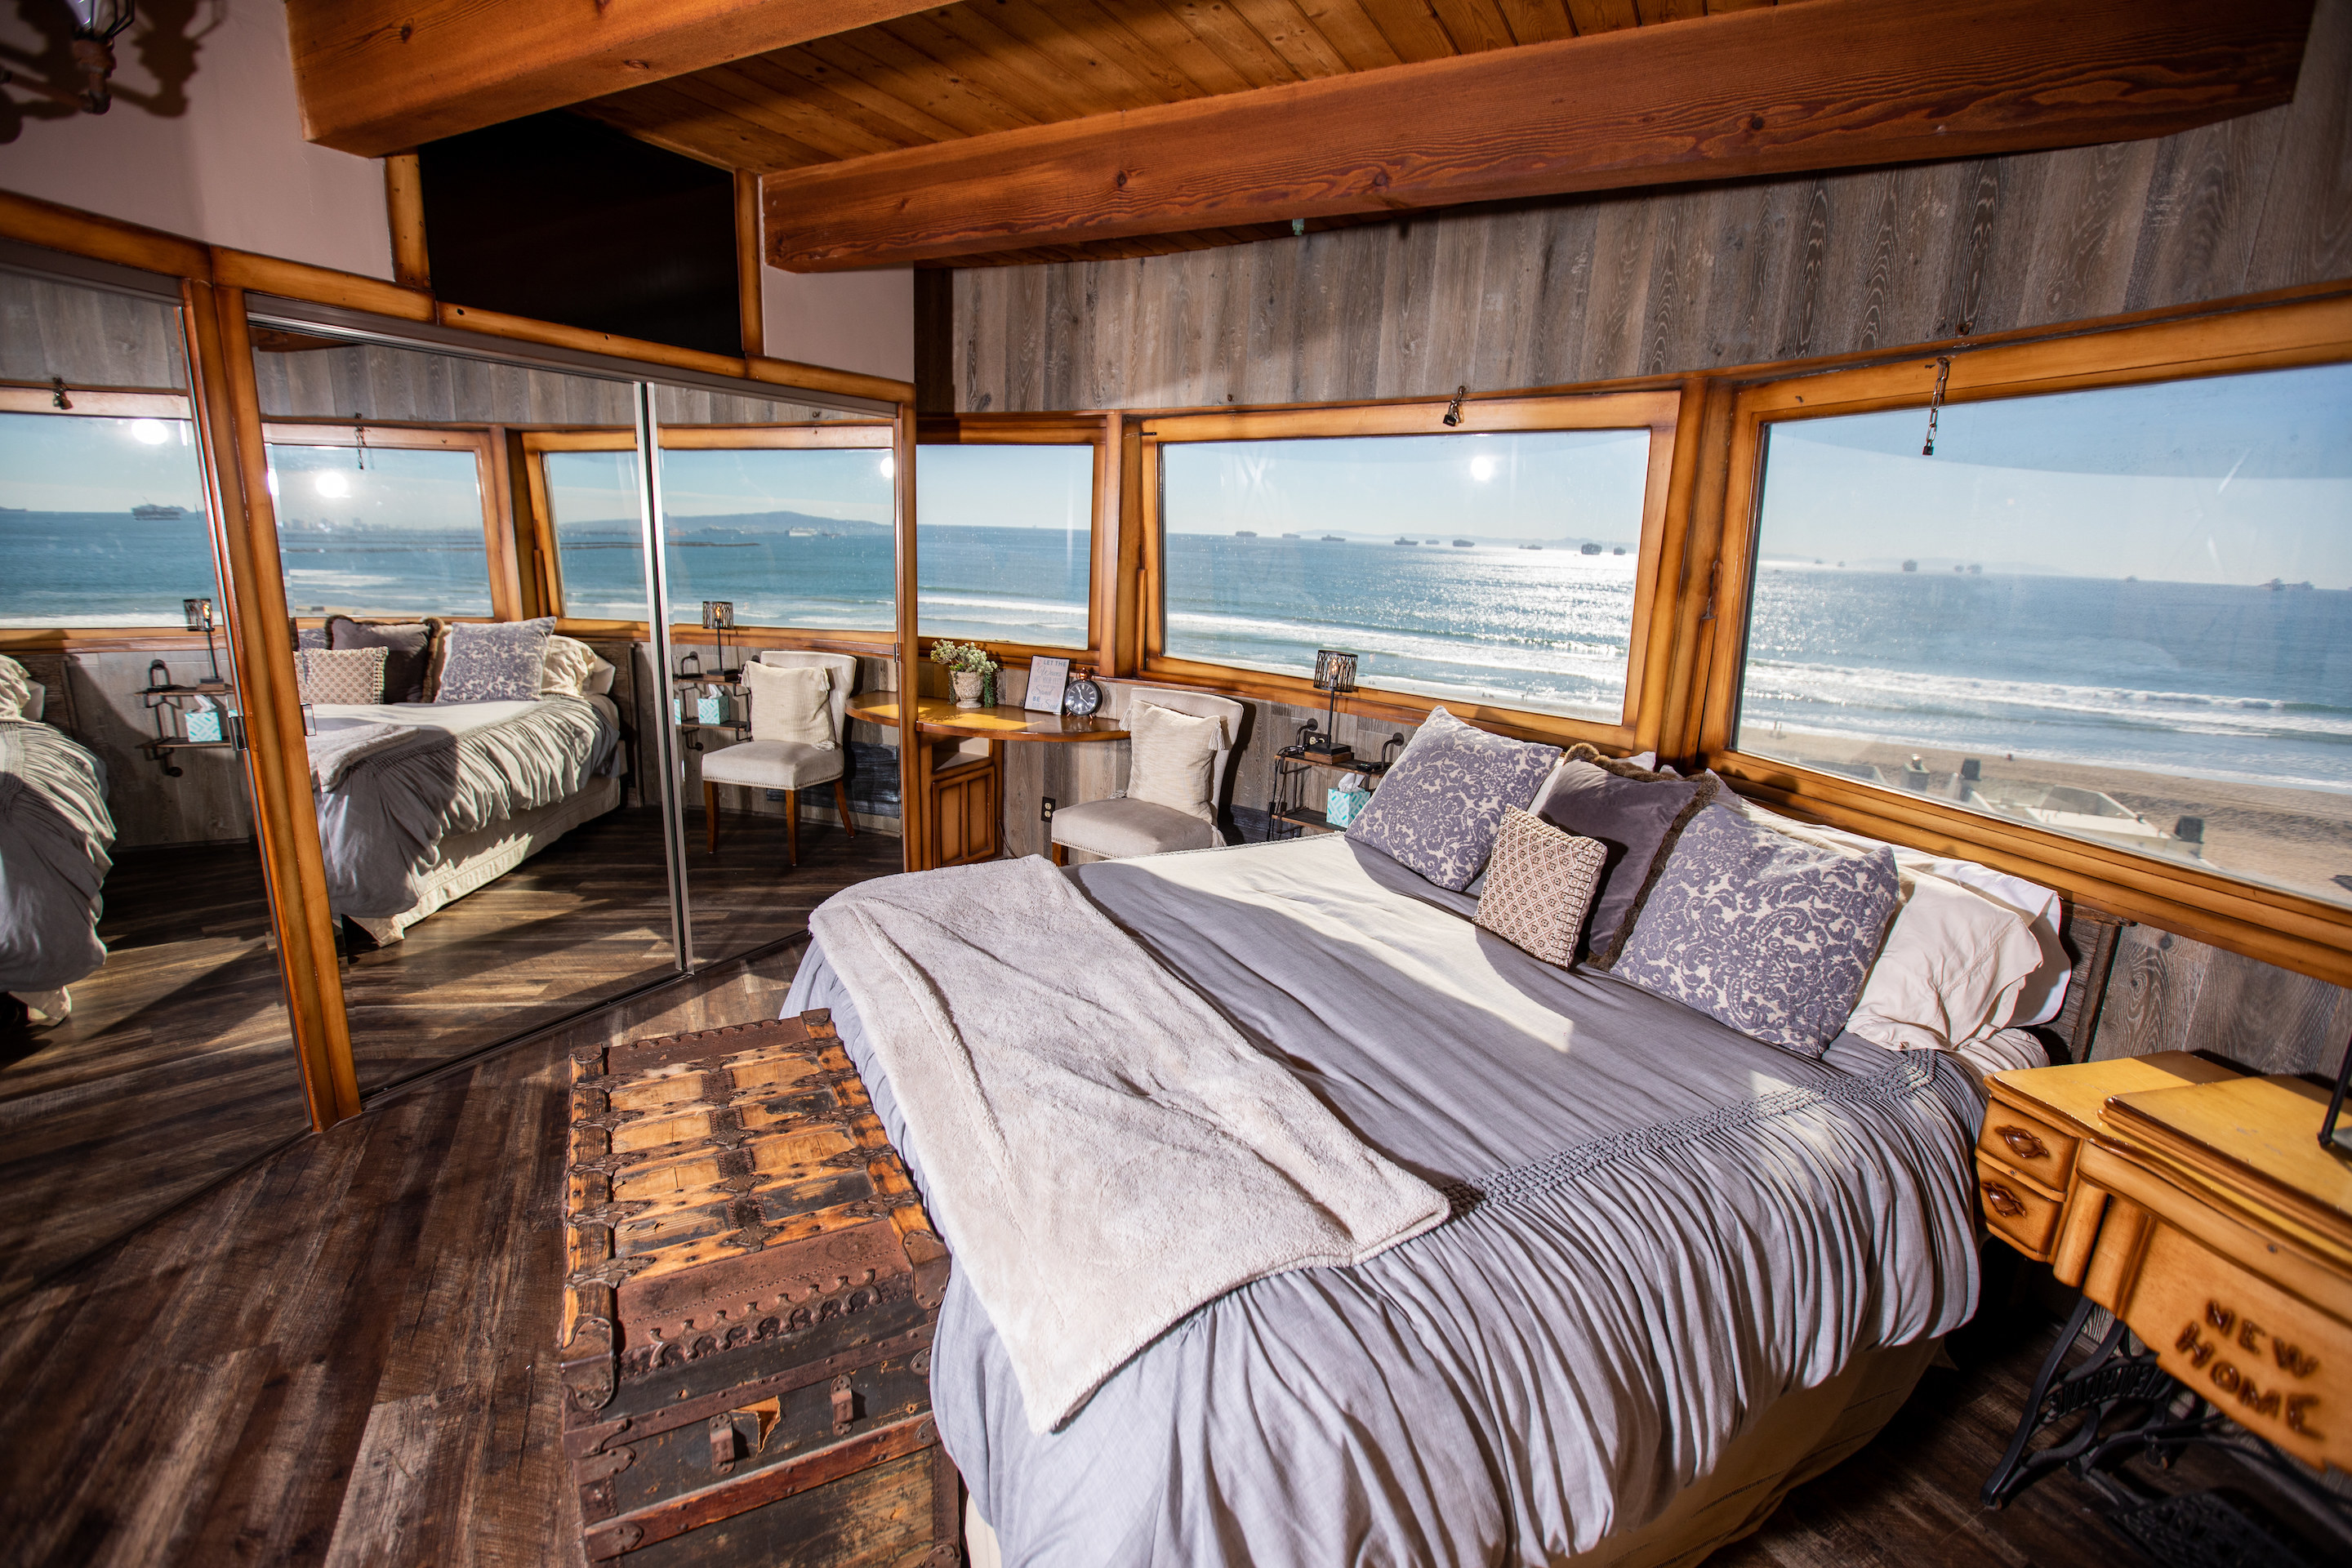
column 89, row 337
column 1686, row 279
column 377, row 382
column 93, row 696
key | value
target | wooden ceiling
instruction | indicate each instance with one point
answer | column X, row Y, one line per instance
column 954, row 71
column 1003, row 131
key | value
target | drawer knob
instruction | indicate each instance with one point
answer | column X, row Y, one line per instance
column 2001, row 1201
column 2024, row 1144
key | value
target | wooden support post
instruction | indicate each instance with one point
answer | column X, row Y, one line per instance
column 244, row 529
column 404, row 200
column 749, row 302
column 914, row 758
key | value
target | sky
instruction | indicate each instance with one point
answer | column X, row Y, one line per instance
column 1524, row 485
column 2230, row 479
column 53, row 464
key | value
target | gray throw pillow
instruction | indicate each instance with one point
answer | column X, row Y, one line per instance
column 495, row 663
column 1769, row 935
column 408, row 646
column 1438, row 808
column 1638, row 819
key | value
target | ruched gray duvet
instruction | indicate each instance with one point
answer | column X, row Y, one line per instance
column 55, row 839
column 1662, row 1227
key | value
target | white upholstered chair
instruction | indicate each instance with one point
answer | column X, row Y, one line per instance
column 788, row 766
column 1121, row 829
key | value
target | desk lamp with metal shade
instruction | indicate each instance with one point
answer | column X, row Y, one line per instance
column 1335, row 672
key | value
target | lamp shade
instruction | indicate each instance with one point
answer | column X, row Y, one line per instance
column 1334, row 671
column 101, row 19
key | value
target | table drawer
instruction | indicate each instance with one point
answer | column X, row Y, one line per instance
column 2028, row 1145
column 2017, row 1214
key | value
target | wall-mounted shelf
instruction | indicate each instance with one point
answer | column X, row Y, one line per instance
column 1288, row 814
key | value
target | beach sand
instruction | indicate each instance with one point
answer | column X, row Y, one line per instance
column 2294, row 838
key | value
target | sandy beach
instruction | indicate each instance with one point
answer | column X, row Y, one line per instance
column 2293, row 838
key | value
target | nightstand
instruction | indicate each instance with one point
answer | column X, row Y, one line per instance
column 2195, row 1204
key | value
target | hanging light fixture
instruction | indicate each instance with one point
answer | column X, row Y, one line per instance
column 97, row 24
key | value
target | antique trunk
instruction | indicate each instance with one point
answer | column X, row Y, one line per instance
column 747, row 1323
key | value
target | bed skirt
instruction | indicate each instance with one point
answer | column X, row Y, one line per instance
column 471, row 860
column 1819, row 1425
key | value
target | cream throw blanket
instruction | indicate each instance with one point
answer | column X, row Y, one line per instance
column 1101, row 1149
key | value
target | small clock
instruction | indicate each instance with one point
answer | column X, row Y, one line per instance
column 1081, row 697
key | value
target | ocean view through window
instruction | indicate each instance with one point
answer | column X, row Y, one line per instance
column 101, row 522
column 2122, row 615
column 1005, row 541
column 379, row 529
column 1492, row 567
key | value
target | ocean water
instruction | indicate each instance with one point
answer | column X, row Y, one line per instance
column 2197, row 680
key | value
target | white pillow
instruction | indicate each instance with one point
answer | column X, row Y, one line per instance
column 1173, row 758
column 20, row 695
column 791, row 702
column 1949, row 971
column 600, row 677
column 567, row 667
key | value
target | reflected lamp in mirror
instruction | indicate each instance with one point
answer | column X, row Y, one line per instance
column 2334, row 1135
column 1335, row 672
column 718, row 615
column 198, row 613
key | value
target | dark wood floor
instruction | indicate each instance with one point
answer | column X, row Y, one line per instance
column 177, row 1068
column 341, row 1357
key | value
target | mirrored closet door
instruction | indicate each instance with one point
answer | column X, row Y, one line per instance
column 464, row 557
column 780, row 562
column 145, row 1049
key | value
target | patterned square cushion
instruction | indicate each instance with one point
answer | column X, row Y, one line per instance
column 351, row 675
column 1539, row 883
column 1638, row 815
column 1769, row 935
column 495, row 663
column 410, row 646
column 1437, row 810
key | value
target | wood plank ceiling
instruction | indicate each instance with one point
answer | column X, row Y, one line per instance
column 964, row 70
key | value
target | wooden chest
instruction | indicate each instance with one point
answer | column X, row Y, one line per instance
column 748, row 1317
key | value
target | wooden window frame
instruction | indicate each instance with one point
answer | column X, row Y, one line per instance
column 1099, row 431
column 2288, row 928
column 536, row 531
column 497, row 536
column 1657, row 411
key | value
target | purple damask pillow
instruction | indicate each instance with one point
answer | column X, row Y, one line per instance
column 1766, row 935
column 1438, row 809
column 499, row 662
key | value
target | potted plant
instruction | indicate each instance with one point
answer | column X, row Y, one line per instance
column 968, row 666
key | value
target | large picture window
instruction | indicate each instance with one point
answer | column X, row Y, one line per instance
column 380, row 523
column 1006, row 542
column 101, row 518
column 1499, row 567
column 2122, row 615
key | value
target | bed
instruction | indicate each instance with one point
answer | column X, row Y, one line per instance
column 56, row 839
column 420, row 804
column 1683, row 1270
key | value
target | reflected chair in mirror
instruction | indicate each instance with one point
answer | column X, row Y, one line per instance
column 791, row 766
column 1124, row 827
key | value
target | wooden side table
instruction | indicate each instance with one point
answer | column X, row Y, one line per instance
column 2196, row 1205
column 964, row 789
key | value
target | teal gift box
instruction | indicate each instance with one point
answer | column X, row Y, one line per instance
column 713, row 708
column 1341, row 806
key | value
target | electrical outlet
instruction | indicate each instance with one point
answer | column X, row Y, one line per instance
column 1045, row 809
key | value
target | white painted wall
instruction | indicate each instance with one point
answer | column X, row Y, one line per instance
column 844, row 321
column 221, row 159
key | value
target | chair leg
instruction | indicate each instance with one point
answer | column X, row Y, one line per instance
column 792, row 827
column 840, row 800
column 1061, row 856
column 711, row 813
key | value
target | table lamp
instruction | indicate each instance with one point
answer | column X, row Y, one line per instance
column 198, row 614
column 1335, row 672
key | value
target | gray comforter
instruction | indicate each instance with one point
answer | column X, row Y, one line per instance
column 1662, row 1227
column 55, row 835
column 465, row 766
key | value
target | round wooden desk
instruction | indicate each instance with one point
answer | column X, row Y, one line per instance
column 963, row 793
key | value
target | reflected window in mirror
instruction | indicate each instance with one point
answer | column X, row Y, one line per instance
column 102, row 516
column 591, row 505
column 794, row 536
column 381, row 522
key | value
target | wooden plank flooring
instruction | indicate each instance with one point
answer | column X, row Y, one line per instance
column 341, row 1357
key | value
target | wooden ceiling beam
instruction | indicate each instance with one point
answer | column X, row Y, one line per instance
column 1831, row 84
column 383, row 76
